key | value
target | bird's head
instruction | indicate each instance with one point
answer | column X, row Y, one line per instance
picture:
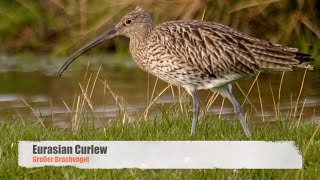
column 135, row 24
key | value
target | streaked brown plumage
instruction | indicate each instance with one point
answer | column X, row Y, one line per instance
column 198, row 55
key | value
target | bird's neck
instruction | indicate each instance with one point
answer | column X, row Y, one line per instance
column 137, row 51
column 138, row 42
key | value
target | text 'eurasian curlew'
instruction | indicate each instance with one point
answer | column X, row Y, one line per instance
column 197, row 55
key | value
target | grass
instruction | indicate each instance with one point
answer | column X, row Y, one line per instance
column 44, row 26
column 173, row 125
column 306, row 136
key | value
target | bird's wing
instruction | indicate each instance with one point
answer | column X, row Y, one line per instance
column 217, row 49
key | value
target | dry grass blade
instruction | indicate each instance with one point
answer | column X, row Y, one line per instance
column 74, row 101
column 83, row 16
column 180, row 99
column 29, row 7
column 58, row 3
column 95, row 80
column 310, row 25
column 291, row 107
column 274, row 102
column 250, row 4
column 186, row 9
column 51, row 109
column 22, row 120
column 148, row 87
column 221, row 107
column 246, row 96
column 279, row 93
column 299, row 120
column 80, row 107
column 76, row 119
column 145, row 113
column 99, row 24
column 209, row 104
column 87, row 70
column 301, row 87
column 172, row 92
column 81, row 102
column 203, row 14
column 153, row 90
column 85, row 97
column 307, row 146
column 260, row 99
column 103, row 100
column 65, row 104
column 183, row 97
column 34, row 113
column 292, row 23
column 86, row 90
column 85, row 94
column 121, row 107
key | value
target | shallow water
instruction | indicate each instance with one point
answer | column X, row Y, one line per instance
column 29, row 88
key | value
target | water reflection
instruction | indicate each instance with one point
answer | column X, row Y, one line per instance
column 32, row 84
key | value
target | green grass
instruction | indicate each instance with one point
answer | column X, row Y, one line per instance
column 175, row 128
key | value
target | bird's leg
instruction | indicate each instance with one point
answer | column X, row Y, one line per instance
column 226, row 91
column 196, row 108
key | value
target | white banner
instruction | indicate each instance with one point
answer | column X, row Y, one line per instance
column 161, row 154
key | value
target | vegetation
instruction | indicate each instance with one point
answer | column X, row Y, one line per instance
column 44, row 26
column 173, row 125
column 306, row 136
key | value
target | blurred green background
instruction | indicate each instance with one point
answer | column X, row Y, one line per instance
column 58, row 27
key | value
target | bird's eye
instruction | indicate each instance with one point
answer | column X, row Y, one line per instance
column 128, row 21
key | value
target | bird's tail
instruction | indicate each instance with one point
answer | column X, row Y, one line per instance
column 303, row 58
column 278, row 57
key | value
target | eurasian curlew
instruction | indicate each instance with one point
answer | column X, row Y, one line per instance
column 197, row 55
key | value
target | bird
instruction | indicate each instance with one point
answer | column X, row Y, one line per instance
column 196, row 55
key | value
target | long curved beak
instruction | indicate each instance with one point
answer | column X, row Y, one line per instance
column 102, row 37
